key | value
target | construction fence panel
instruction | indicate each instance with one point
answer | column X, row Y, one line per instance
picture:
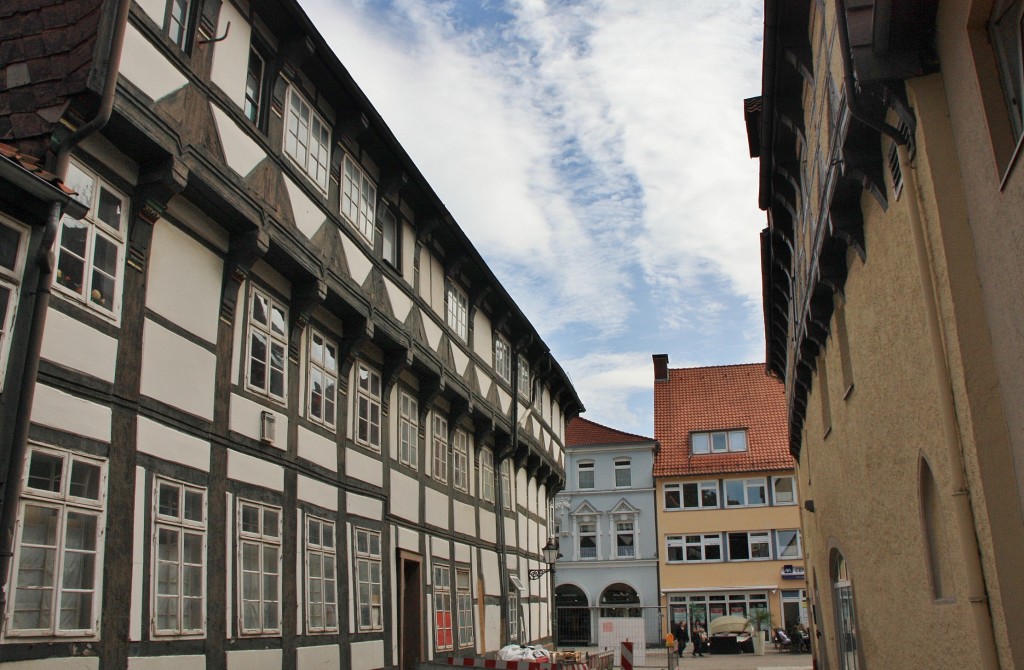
column 605, row 628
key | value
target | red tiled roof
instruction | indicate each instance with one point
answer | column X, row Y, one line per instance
column 720, row 398
column 582, row 432
column 31, row 164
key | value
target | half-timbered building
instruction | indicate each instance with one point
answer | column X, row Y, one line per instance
column 263, row 404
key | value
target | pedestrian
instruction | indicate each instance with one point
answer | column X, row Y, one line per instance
column 681, row 637
column 699, row 638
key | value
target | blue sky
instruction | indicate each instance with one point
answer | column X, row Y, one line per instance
column 595, row 153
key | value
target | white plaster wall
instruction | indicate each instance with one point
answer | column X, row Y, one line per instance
column 407, row 539
column 367, row 655
column 368, row 508
column 76, row 663
column 522, row 488
column 483, row 340
column 504, row 400
column 358, row 263
column 155, row 9
column 436, row 509
column 406, row 505
column 138, row 564
column 408, row 252
column 463, row 552
column 73, row 344
column 465, row 518
column 325, row 657
column 231, row 55
column 186, row 294
column 147, row 68
column 176, row 371
column 245, row 468
column 240, row 152
column 308, row 216
column 363, row 467
column 65, row 412
column 492, row 576
column 193, row 218
column 440, row 548
column 317, row 449
column 510, row 531
column 244, row 418
column 493, row 632
column 432, row 330
column 461, row 359
column 172, row 445
column 318, row 493
column 401, row 303
column 436, row 284
column 487, row 526
column 165, row 662
column 256, row 659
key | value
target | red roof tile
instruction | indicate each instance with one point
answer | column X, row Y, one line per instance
column 31, row 164
column 720, row 398
column 582, row 432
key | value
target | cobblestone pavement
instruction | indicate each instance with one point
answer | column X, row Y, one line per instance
column 772, row 659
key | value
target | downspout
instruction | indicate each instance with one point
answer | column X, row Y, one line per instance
column 961, row 499
column 500, row 506
column 45, row 261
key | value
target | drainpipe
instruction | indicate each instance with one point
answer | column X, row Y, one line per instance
column 961, row 500
column 500, row 506
column 45, row 261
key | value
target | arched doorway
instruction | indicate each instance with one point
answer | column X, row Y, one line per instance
column 573, row 616
column 615, row 601
column 846, row 614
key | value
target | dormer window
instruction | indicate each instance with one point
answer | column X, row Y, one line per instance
column 307, row 139
column 358, row 198
column 718, row 442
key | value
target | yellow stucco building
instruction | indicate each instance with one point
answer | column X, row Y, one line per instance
column 888, row 135
column 728, row 519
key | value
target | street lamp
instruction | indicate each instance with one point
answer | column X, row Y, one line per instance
column 550, row 551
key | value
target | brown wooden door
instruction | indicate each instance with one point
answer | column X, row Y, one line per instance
column 410, row 610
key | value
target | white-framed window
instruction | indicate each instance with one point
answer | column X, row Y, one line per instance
column 784, row 490
column 502, row 357
column 369, row 600
column 691, row 495
column 390, row 238
column 585, row 474
column 623, row 473
column 464, row 606
column 58, row 551
column 13, row 244
column 787, row 544
column 440, row 442
column 625, row 539
column 323, row 379
column 506, row 483
column 259, row 568
column 179, row 558
column 587, row 535
column 90, row 252
column 254, row 76
column 408, row 430
column 1006, row 29
column 177, row 21
column 321, row 576
column 524, row 377
column 268, row 345
column 443, row 638
column 307, row 139
column 368, row 407
column 845, row 614
column 753, row 546
column 457, row 310
column 487, row 475
column 514, row 589
column 746, row 492
column 358, row 198
column 460, row 461
column 718, row 442
column 697, row 548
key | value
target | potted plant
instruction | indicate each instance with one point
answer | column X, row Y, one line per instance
column 761, row 620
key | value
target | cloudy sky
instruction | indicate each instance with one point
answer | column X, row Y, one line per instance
column 594, row 151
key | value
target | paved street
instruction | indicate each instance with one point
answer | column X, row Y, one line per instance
column 771, row 659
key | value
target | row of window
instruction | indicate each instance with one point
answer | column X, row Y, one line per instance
column 623, row 474
column 625, row 537
column 59, row 558
column 718, row 493
column 738, row 546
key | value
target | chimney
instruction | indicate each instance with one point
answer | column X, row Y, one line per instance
column 660, row 367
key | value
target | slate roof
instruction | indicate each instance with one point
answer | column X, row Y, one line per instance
column 720, row 398
column 581, row 432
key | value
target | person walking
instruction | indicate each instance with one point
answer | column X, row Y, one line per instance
column 699, row 638
column 681, row 637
